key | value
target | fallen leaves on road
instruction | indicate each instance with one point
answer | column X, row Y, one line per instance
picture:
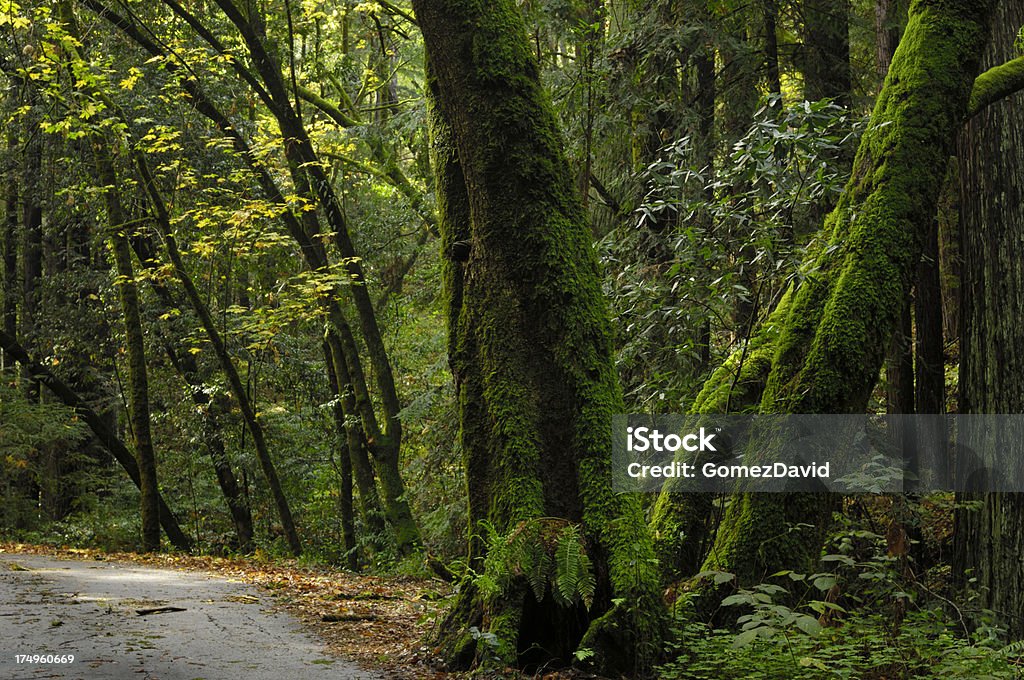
column 377, row 621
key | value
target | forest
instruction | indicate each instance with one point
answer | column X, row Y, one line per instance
column 360, row 287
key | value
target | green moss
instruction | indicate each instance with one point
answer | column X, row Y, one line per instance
column 995, row 84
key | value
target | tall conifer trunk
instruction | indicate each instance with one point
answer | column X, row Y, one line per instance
column 991, row 161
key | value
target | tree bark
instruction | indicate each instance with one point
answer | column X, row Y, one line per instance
column 888, row 26
column 529, row 344
column 770, row 16
column 344, row 465
column 827, row 51
column 991, row 161
column 10, row 245
column 362, row 468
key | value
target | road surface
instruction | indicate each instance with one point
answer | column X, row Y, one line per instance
column 53, row 608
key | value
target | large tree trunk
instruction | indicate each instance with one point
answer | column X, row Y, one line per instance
column 529, row 345
column 840, row 320
column 991, row 161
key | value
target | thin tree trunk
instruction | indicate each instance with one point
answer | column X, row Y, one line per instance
column 770, row 12
column 362, row 468
column 138, row 383
column 211, row 410
column 220, row 350
column 827, row 71
column 899, row 368
column 10, row 245
column 888, row 27
column 31, row 243
column 929, row 346
column 344, row 466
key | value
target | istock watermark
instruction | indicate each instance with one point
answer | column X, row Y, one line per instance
column 818, row 453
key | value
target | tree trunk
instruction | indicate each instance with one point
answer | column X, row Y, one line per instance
column 840, row 321
column 770, row 16
column 211, row 410
column 362, row 469
column 10, row 245
column 138, row 383
column 827, row 51
column 344, row 465
column 929, row 347
column 162, row 219
column 31, row 242
column 888, row 26
column 899, row 368
column 991, row 162
column 529, row 345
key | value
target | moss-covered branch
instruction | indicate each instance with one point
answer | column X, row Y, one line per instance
column 995, row 84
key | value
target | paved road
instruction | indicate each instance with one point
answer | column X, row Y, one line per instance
column 88, row 609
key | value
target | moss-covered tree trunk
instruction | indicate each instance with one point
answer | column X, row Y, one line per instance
column 832, row 336
column 529, row 346
column 138, row 384
column 991, row 160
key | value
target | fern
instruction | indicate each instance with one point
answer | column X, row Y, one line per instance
column 538, row 570
column 574, row 578
column 540, row 557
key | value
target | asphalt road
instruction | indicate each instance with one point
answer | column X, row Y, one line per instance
column 56, row 608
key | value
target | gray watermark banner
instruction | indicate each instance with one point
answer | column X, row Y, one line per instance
column 818, row 453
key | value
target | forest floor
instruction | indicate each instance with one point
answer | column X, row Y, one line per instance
column 376, row 622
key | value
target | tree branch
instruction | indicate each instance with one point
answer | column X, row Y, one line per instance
column 996, row 83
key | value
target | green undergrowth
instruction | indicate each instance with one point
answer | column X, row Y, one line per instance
column 879, row 606
column 864, row 646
